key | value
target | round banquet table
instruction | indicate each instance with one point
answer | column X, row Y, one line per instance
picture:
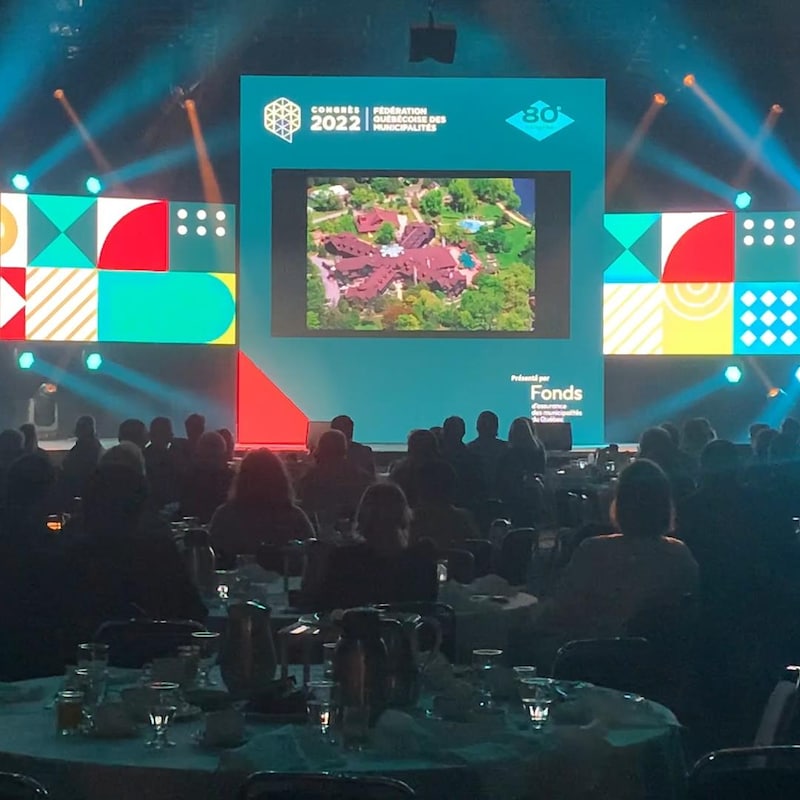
column 599, row 744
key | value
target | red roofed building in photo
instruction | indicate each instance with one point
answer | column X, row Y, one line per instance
column 370, row 221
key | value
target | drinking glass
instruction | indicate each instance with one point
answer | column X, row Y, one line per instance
column 93, row 656
column 320, row 703
column 189, row 654
column 208, row 641
column 225, row 584
column 162, row 709
column 92, row 686
column 355, row 727
column 523, row 673
column 484, row 662
column 536, row 700
column 441, row 570
column 328, row 653
column 69, row 712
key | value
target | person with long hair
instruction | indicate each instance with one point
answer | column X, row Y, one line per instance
column 517, row 471
column 208, row 480
column 261, row 508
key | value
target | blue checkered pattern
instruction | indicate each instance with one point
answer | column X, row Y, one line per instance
column 766, row 319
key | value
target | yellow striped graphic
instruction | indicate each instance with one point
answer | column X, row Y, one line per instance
column 61, row 304
column 633, row 319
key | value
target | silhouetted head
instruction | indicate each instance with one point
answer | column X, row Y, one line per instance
column 85, row 428
column 133, row 430
column 125, row 454
column 755, row 429
column 672, row 429
column 437, row 483
column 195, row 425
column 262, row 481
column 521, row 435
column 791, row 428
column 643, row 504
column 230, row 445
column 331, row 448
column 782, row 449
column 211, row 450
column 487, row 424
column 453, row 431
column 763, row 443
column 161, row 434
column 422, row 445
column 656, row 445
column 383, row 517
column 114, row 499
column 28, row 481
column 30, row 438
column 697, row 433
column 719, row 462
column 344, row 424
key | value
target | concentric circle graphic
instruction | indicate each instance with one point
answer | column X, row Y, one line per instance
column 8, row 230
column 697, row 302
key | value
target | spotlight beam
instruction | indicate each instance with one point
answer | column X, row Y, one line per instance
column 754, row 154
column 619, row 168
column 208, row 176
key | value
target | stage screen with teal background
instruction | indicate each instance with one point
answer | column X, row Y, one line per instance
column 543, row 128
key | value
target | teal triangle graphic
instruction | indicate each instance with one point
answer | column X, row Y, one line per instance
column 627, row 228
column 62, row 211
column 41, row 231
column 83, row 233
column 628, row 269
column 612, row 249
column 648, row 249
column 62, row 252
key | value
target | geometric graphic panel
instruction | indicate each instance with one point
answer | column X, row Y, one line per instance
column 767, row 247
column 12, row 303
column 132, row 234
column 13, row 230
column 61, row 304
column 634, row 248
column 697, row 247
column 61, row 231
column 633, row 319
column 202, row 237
column 766, row 319
column 698, row 318
column 166, row 307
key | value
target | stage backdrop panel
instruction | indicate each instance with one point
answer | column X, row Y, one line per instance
column 104, row 269
column 415, row 248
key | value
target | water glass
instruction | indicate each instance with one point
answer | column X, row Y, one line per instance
column 69, row 712
column 524, row 673
column 355, row 727
column 189, row 655
column 93, row 656
column 484, row 662
column 536, row 700
column 328, row 654
column 208, row 641
column 162, row 709
column 441, row 570
column 92, row 686
column 320, row 702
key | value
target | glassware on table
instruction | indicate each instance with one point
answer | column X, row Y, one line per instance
column 92, row 686
column 69, row 712
column 441, row 570
column 484, row 662
column 161, row 711
column 328, row 653
column 208, row 641
column 523, row 673
column 321, row 705
column 93, row 656
column 355, row 727
column 55, row 522
column 189, row 655
column 536, row 697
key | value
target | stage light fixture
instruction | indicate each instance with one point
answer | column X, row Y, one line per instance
column 93, row 361
column 733, row 374
column 58, row 94
column 777, row 108
column 743, row 201
column 20, row 182
column 437, row 42
column 660, row 99
column 689, row 80
column 774, row 392
column 26, row 360
column 94, row 185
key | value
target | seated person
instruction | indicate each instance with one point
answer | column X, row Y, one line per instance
column 163, row 463
column 81, row 461
column 422, row 448
column 610, row 580
column 208, row 479
column 359, row 455
column 435, row 516
column 383, row 568
column 517, row 471
column 333, row 486
column 488, row 448
column 261, row 509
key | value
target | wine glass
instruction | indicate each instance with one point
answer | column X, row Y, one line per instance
column 320, row 704
column 163, row 706
column 484, row 662
column 536, row 700
column 208, row 641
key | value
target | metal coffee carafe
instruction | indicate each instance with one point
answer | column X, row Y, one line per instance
column 247, row 657
column 200, row 560
column 401, row 633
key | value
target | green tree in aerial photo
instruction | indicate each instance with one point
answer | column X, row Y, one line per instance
column 462, row 198
column 385, row 234
column 362, row 196
column 316, row 305
column 432, row 203
column 386, row 185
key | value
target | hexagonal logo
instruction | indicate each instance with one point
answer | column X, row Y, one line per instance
column 540, row 120
column 282, row 118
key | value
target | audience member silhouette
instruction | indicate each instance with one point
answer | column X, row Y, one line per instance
column 422, row 448
column 488, row 448
column 30, row 481
column 382, row 569
column 469, row 491
column 135, row 431
column 230, row 445
column 754, row 430
column 127, row 454
column 207, row 480
column 333, row 485
column 656, row 445
column 517, row 471
column 359, row 455
column 261, row 509
column 81, row 461
column 435, row 516
column 163, row 464
column 195, row 425
column 31, row 440
column 791, row 429
column 697, row 433
column 11, row 448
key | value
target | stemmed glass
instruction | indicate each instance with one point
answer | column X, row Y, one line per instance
column 208, row 641
column 484, row 662
column 536, row 700
column 320, row 703
column 162, row 709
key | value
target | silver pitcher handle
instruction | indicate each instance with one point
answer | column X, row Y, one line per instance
column 437, row 646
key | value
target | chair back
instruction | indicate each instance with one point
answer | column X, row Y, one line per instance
column 133, row 643
column 283, row 786
column 625, row 664
column 481, row 550
column 14, row 786
column 747, row 773
column 516, row 552
column 460, row 565
column 442, row 613
column 286, row 560
column 779, row 713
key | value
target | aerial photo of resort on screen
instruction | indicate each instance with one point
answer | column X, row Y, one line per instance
column 421, row 254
